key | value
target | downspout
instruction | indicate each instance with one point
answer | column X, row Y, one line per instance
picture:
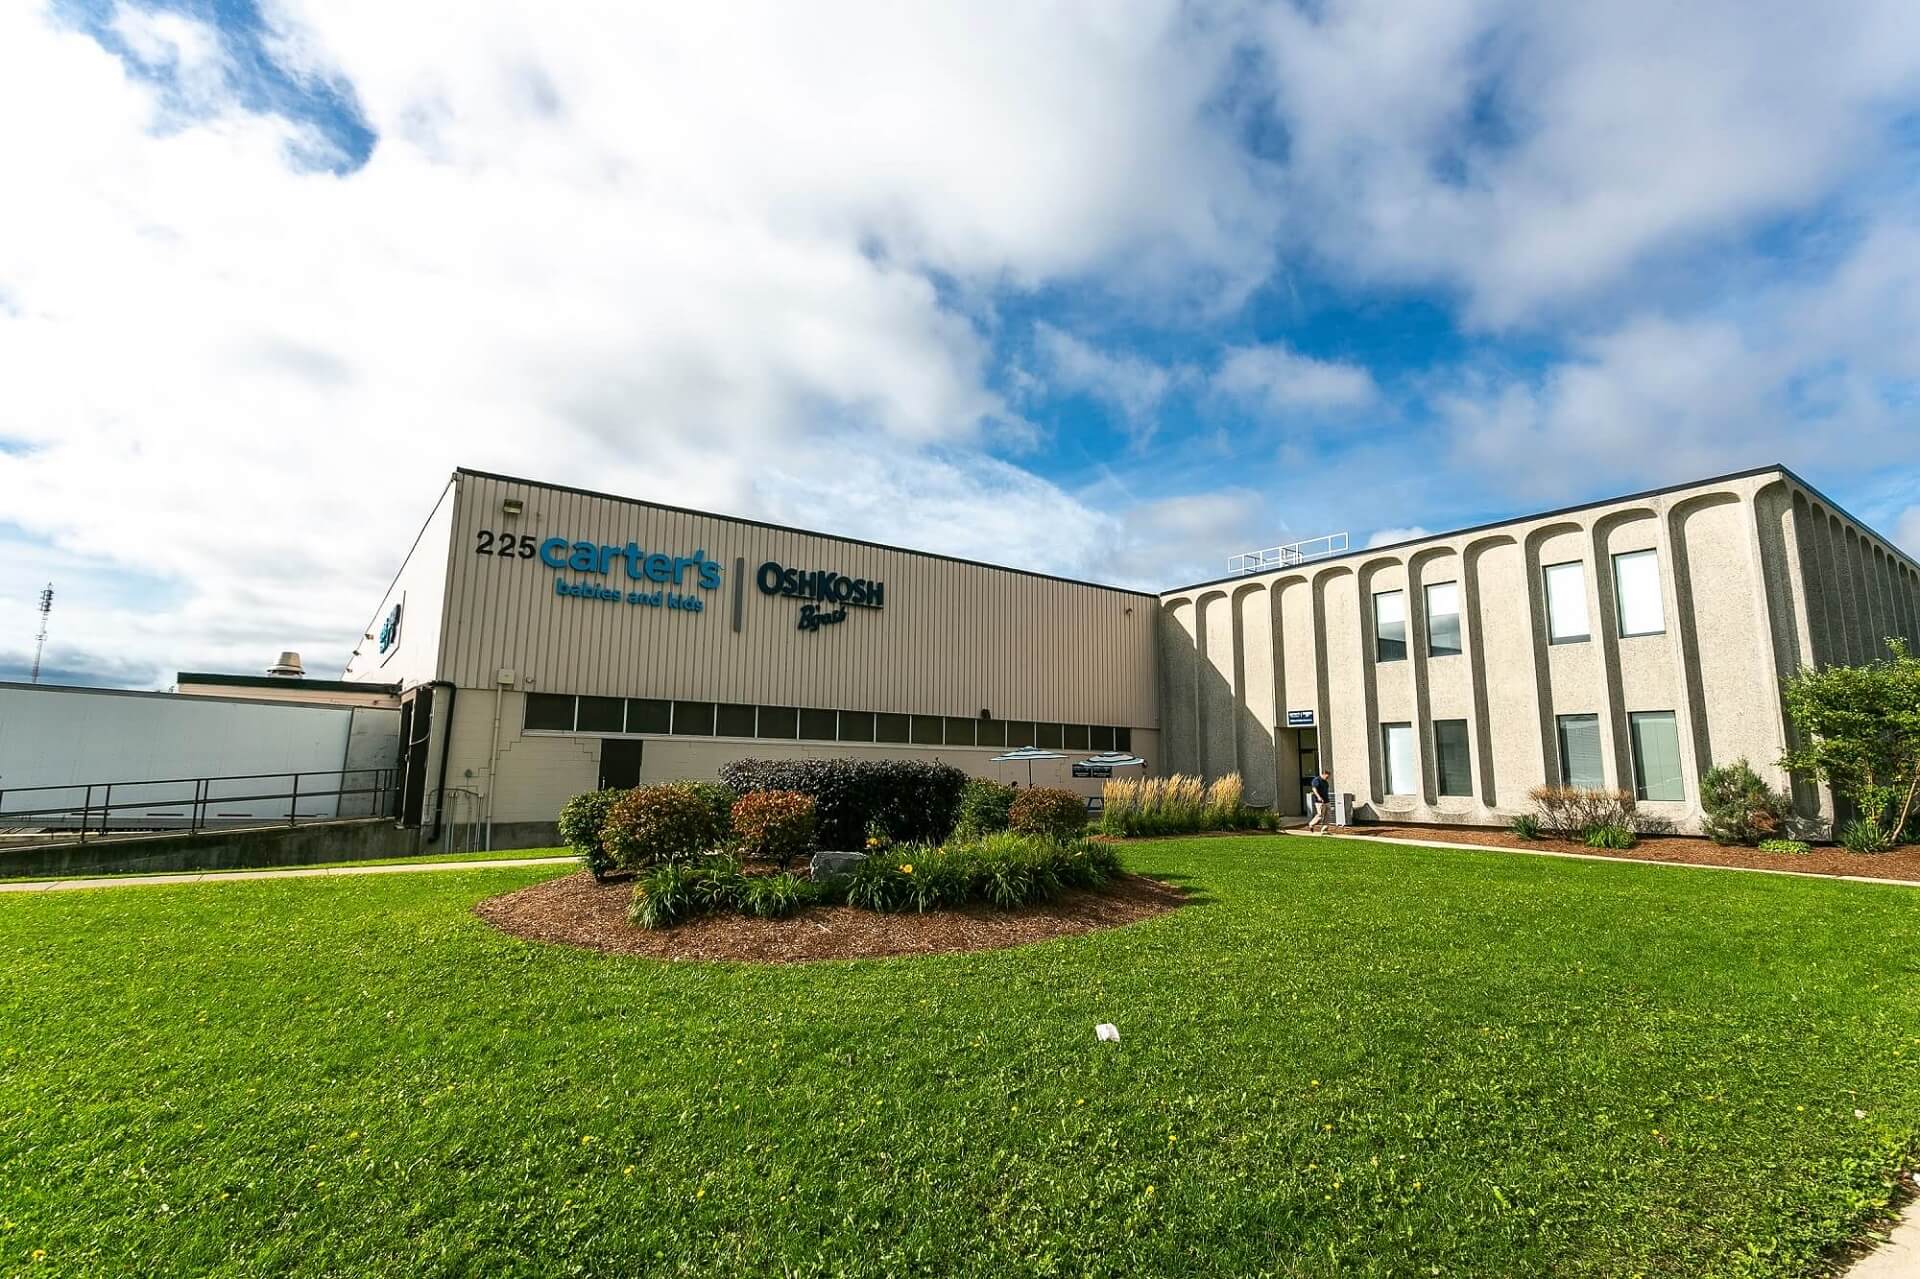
column 493, row 758
column 446, row 749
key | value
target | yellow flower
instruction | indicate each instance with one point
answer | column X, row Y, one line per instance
column 586, row 1141
column 907, row 869
column 627, row 1171
column 39, row 1254
column 1149, row 1189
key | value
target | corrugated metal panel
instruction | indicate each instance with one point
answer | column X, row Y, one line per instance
column 951, row 639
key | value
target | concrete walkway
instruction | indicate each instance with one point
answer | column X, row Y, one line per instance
column 1898, row 1257
column 221, row 876
column 1601, row 857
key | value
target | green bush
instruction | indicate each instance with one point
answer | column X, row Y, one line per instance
column 1525, row 826
column 716, row 883
column 984, row 808
column 912, row 801
column 1740, row 807
column 1048, row 811
column 773, row 825
column 662, row 896
column 718, row 797
column 1792, row 847
column 1863, row 835
column 582, row 820
column 883, row 882
column 773, row 896
column 659, row 824
column 1612, row 835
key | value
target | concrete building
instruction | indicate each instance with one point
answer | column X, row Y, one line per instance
column 1631, row 643
column 550, row 640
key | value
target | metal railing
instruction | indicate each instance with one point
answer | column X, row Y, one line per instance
column 1275, row 557
column 198, row 803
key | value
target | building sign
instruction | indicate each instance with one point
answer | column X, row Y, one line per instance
column 656, row 569
column 1299, row 719
column 390, row 630
column 827, row 593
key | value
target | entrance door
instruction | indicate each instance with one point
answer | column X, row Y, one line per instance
column 620, row 762
column 1309, row 765
column 416, row 739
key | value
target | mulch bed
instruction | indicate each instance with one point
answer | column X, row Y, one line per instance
column 575, row 911
column 1900, row 863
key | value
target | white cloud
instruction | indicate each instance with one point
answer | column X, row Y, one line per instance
column 1907, row 531
column 1394, row 536
column 1283, row 381
column 1131, row 384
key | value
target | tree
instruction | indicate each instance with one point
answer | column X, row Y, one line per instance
column 1859, row 731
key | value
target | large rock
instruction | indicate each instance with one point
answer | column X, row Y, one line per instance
column 827, row 865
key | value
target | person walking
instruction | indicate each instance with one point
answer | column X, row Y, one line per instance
column 1322, row 803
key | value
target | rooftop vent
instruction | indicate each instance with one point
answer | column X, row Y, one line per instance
column 1278, row 557
column 288, row 667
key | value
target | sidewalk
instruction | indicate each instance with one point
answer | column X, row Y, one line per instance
column 220, row 876
column 1335, row 832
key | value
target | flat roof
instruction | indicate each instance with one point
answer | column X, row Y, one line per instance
column 804, row 532
column 1389, row 547
column 279, row 682
column 94, row 689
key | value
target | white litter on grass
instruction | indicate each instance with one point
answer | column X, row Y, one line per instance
column 1108, row 1032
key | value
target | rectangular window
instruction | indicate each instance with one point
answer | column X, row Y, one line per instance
column 819, row 726
column 1100, row 737
column 960, row 732
column 549, row 712
column 993, row 732
column 891, row 728
column 1019, row 732
column 602, row 715
column 1452, row 758
column 733, row 720
column 693, row 719
column 1396, row 748
column 1567, row 602
column 928, row 730
column 1656, row 756
column 780, row 723
column 1390, row 626
column 1580, row 752
column 1443, row 621
column 1047, row 736
column 649, row 715
column 856, row 726
column 1123, row 739
column 1075, row 736
column 1636, row 589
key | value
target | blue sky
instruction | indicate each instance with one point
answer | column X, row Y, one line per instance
column 1110, row 291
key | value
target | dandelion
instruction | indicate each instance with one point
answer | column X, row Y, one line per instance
column 700, row 1193
column 40, row 1254
column 586, row 1140
column 1149, row 1190
column 907, row 869
column 627, row 1171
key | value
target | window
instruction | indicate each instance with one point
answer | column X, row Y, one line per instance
column 1390, row 626
column 733, row 720
column 890, row 728
column 928, row 730
column 1580, row 752
column 856, row 726
column 1075, row 736
column 1047, row 736
column 1100, row 738
column 1443, row 621
column 649, row 715
column 819, row 726
column 1452, row 758
column 693, row 719
column 1656, row 756
column 549, row 713
column 1123, row 739
column 1567, row 603
column 1636, row 588
column 1396, row 748
column 1019, row 732
column 602, row 715
column 781, row 722
column 960, row 732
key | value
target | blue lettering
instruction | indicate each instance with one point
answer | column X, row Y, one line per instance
column 709, row 574
column 659, row 567
column 585, row 557
column 553, row 552
column 634, row 556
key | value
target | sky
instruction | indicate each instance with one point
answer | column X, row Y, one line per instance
column 1108, row 290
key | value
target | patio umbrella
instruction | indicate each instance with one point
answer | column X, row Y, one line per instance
column 1028, row 753
column 1115, row 759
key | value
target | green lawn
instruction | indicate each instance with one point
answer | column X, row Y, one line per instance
column 495, row 855
column 1346, row 1058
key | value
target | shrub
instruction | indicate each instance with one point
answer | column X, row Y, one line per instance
column 773, row 896
column 1525, row 826
column 718, row 797
column 1569, row 812
column 1610, row 835
column 716, row 883
column 1793, row 847
column 662, row 897
column 1176, row 805
column 912, row 800
column 882, row 882
column 1740, row 807
column 1864, row 835
column 1224, row 803
column 582, row 819
column 1857, row 728
column 1046, row 810
column 984, row 808
column 773, row 825
column 659, row 824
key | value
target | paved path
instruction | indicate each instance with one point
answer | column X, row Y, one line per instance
column 221, row 876
column 1601, row 857
column 1898, row 1257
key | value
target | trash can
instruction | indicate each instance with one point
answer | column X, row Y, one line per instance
column 1342, row 809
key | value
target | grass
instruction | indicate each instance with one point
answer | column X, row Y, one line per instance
column 498, row 854
column 1345, row 1058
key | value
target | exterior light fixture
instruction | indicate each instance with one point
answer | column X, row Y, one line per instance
column 513, row 506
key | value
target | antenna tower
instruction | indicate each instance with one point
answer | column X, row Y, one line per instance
column 40, row 640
